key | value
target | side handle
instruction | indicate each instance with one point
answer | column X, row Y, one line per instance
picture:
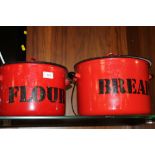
column 151, row 76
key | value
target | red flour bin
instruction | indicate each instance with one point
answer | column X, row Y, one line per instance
column 113, row 85
column 32, row 89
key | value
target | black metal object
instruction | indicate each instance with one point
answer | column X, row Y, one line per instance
column 72, row 121
column 71, row 75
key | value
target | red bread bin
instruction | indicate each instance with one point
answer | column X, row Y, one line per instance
column 32, row 89
column 113, row 85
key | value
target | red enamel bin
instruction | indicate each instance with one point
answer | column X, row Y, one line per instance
column 113, row 85
column 32, row 89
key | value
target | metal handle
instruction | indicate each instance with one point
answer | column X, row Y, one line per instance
column 110, row 54
column 73, row 77
column 151, row 76
column 72, row 94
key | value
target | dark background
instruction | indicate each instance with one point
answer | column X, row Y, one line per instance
column 11, row 39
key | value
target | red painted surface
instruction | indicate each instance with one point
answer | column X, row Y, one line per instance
column 30, row 75
column 92, row 102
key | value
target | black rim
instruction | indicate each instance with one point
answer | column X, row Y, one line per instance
column 119, row 56
column 36, row 62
